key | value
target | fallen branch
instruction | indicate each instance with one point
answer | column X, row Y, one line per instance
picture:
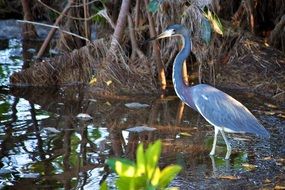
column 56, row 27
column 52, row 31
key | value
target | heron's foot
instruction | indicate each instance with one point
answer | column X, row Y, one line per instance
column 212, row 153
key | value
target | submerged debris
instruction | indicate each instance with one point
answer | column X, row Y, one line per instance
column 139, row 129
column 136, row 105
column 84, row 117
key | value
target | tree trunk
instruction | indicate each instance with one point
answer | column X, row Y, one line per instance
column 28, row 30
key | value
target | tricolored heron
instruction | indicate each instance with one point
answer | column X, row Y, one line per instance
column 221, row 110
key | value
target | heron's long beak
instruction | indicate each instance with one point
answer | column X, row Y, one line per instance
column 165, row 34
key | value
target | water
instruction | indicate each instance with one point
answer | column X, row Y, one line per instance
column 44, row 146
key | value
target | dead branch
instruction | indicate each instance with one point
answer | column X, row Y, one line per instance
column 87, row 28
column 53, row 26
column 135, row 48
column 137, row 13
column 156, row 51
column 72, row 6
column 276, row 33
column 53, row 30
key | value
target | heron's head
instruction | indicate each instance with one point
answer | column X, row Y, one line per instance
column 172, row 30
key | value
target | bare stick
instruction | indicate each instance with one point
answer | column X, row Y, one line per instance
column 52, row 31
column 135, row 48
column 179, row 114
column 64, row 14
column 277, row 31
column 137, row 11
column 52, row 26
column 156, row 52
column 86, row 14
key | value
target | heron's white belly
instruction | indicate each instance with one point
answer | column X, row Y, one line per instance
column 229, row 130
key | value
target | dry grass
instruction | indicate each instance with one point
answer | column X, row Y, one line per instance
column 235, row 60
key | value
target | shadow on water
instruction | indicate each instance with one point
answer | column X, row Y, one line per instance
column 44, row 145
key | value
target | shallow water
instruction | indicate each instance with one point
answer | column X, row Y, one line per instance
column 44, row 146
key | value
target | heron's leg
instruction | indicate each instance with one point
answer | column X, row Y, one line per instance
column 215, row 142
column 229, row 148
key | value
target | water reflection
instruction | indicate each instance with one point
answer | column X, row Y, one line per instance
column 44, row 145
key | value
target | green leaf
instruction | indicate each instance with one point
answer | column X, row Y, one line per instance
column 150, row 187
column 131, row 183
column 140, row 160
column 4, row 108
column 152, row 155
column 124, row 183
column 156, row 177
column 104, row 186
column 153, row 5
column 168, row 174
column 123, row 167
column 206, row 30
column 215, row 22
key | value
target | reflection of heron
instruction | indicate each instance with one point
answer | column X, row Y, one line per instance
column 221, row 110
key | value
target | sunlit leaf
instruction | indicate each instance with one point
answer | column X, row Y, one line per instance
column 217, row 25
column 93, row 81
column 144, row 174
column 215, row 22
column 123, row 167
column 155, row 177
column 104, row 186
column 168, row 174
column 152, row 156
column 140, row 160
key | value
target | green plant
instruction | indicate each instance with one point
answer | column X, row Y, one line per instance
column 144, row 173
column 214, row 20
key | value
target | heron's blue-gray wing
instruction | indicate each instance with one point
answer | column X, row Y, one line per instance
column 221, row 110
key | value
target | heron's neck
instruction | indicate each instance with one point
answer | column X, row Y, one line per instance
column 179, row 84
